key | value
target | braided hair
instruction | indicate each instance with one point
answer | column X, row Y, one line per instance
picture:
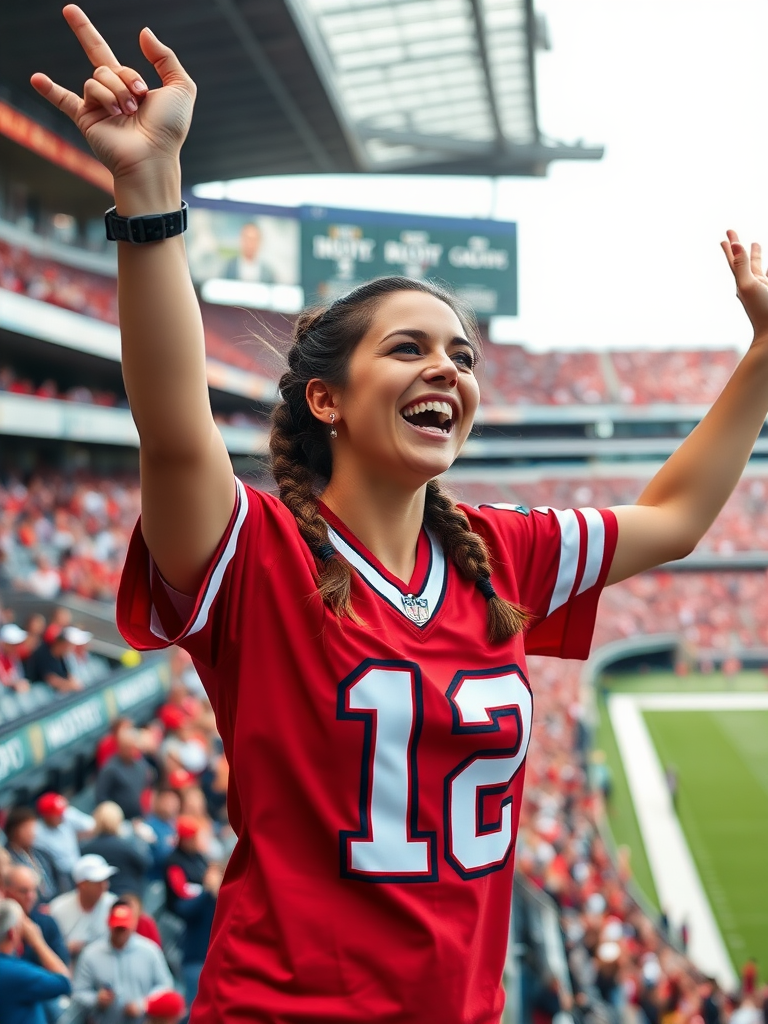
column 324, row 339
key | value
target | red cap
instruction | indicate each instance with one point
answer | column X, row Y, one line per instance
column 165, row 1004
column 52, row 804
column 179, row 778
column 187, row 826
column 51, row 632
column 172, row 716
column 121, row 916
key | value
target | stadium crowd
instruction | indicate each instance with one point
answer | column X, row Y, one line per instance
column 82, row 292
column 511, row 374
column 157, row 835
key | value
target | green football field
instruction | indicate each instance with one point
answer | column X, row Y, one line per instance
column 722, row 763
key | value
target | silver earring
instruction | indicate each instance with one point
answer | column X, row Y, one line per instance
column 334, row 431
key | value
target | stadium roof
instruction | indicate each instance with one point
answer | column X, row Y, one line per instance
column 308, row 86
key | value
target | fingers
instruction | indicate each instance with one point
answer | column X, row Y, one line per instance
column 756, row 259
column 66, row 101
column 98, row 95
column 92, row 42
column 745, row 266
column 114, row 81
column 164, row 60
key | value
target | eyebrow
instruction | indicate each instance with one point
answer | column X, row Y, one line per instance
column 424, row 336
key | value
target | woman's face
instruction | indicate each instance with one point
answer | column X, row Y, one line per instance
column 415, row 352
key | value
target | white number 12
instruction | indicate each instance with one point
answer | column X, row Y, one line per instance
column 386, row 697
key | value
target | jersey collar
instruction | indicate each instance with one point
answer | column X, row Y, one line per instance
column 420, row 598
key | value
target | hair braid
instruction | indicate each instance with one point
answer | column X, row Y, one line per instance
column 468, row 552
column 296, row 487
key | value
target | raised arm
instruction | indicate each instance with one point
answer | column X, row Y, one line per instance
column 187, row 487
column 684, row 498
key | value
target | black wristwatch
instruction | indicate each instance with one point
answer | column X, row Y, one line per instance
column 153, row 227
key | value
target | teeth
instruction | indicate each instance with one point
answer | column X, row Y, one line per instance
column 443, row 408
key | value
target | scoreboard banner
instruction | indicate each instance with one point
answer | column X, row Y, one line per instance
column 282, row 258
column 477, row 258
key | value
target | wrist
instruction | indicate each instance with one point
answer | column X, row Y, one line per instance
column 156, row 188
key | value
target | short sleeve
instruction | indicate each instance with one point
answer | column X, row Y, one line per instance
column 557, row 561
column 150, row 618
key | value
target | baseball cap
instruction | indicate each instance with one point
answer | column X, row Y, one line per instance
column 121, row 916
column 92, row 868
column 179, row 778
column 165, row 1004
column 77, row 637
column 10, row 633
column 187, row 826
column 172, row 716
column 52, row 632
column 52, row 803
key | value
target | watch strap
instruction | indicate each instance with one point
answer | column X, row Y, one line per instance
column 153, row 227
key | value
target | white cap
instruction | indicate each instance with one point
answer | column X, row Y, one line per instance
column 10, row 633
column 595, row 904
column 608, row 952
column 92, row 868
column 75, row 636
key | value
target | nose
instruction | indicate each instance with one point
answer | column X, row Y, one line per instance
column 442, row 369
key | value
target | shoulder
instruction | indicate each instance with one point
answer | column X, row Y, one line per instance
column 145, row 948
column 63, row 902
column 47, row 923
column 94, row 950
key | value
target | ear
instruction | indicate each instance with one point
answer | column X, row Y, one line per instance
column 322, row 400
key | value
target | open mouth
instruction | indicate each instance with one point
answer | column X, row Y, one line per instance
column 434, row 417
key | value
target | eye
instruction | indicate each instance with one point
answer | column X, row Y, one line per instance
column 466, row 359
column 407, row 348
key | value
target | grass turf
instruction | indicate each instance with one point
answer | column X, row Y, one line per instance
column 722, row 761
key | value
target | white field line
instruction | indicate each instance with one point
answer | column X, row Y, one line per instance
column 701, row 701
column 674, row 872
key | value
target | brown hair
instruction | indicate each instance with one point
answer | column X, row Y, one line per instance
column 323, row 341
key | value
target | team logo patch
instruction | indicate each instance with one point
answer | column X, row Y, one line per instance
column 416, row 608
column 506, row 507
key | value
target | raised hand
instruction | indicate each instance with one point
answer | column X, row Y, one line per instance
column 129, row 127
column 751, row 281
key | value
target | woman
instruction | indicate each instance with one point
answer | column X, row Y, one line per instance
column 362, row 639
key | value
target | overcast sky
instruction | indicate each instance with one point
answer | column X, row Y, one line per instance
column 624, row 252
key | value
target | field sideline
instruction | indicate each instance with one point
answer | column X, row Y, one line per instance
column 721, row 757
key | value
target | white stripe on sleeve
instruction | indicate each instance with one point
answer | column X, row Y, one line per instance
column 595, row 548
column 570, row 538
column 221, row 567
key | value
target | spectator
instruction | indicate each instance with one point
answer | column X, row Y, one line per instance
column 146, row 925
column 22, row 884
column 116, row 974
column 26, row 987
column 165, row 1008
column 107, row 745
column 165, row 810
column 12, row 673
column 45, row 580
column 129, row 854
column 48, row 664
column 82, row 664
column 192, row 886
column 20, row 829
column 58, row 833
column 125, row 776
column 82, row 914
column 34, row 628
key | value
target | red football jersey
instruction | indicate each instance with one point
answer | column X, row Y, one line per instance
column 376, row 768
